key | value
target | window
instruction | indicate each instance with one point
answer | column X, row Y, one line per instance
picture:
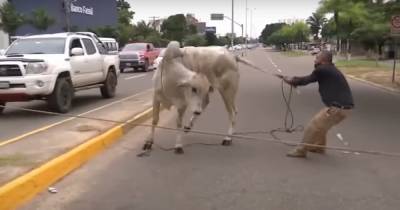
column 75, row 43
column 90, row 48
column 37, row 46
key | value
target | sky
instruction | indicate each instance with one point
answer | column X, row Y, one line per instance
column 260, row 11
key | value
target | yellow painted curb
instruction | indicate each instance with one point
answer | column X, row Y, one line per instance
column 25, row 187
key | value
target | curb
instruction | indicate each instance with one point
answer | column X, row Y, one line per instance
column 373, row 84
column 25, row 187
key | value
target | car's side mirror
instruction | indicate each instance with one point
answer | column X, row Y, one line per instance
column 77, row 51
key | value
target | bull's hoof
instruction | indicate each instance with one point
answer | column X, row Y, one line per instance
column 226, row 142
column 179, row 150
column 147, row 146
column 186, row 129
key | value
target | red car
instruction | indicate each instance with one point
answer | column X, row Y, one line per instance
column 138, row 55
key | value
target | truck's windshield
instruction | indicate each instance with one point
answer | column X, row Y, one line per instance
column 37, row 46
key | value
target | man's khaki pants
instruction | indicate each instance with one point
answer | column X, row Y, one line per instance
column 317, row 129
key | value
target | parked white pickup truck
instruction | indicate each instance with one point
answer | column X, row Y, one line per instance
column 53, row 66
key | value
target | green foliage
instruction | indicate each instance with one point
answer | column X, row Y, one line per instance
column 192, row 29
column 41, row 19
column 290, row 34
column 269, row 30
column 175, row 27
column 195, row 40
column 362, row 20
column 10, row 19
column 211, row 39
column 316, row 22
column 143, row 29
column 106, row 31
column 125, row 15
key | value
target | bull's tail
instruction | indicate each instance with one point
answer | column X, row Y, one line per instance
column 249, row 63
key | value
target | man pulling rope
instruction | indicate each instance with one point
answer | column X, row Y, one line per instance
column 337, row 97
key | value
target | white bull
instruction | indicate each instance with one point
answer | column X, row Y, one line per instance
column 184, row 79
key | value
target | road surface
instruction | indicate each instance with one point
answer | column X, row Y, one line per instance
column 249, row 174
column 14, row 123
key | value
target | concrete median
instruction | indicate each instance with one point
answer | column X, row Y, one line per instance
column 30, row 165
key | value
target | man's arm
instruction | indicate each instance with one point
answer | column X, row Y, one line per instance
column 300, row 81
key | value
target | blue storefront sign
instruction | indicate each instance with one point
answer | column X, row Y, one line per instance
column 82, row 14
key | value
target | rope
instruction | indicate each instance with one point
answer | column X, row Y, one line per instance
column 217, row 134
column 288, row 123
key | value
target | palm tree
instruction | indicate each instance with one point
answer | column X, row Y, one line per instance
column 41, row 20
column 316, row 21
column 143, row 29
column 10, row 19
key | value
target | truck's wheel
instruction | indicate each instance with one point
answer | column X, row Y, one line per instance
column 1, row 107
column 121, row 70
column 146, row 66
column 61, row 98
column 109, row 88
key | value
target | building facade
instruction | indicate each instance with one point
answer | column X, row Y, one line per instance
column 77, row 15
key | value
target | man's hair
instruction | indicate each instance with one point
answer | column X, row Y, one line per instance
column 326, row 56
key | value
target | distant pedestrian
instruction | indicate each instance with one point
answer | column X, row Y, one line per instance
column 337, row 97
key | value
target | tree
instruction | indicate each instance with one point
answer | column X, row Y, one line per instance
column 123, row 5
column 290, row 34
column 211, row 39
column 316, row 21
column 192, row 29
column 10, row 19
column 106, row 31
column 143, row 29
column 175, row 27
column 334, row 7
column 195, row 40
column 269, row 30
column 41, row 20
column 125, row 32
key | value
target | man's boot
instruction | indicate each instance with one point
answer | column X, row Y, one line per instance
column 297, row 153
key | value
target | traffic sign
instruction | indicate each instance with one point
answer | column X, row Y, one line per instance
column 395, row 25
column 217, row 16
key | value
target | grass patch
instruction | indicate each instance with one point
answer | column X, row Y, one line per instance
column 14, row 160
column 361, row 63
column 293, row 53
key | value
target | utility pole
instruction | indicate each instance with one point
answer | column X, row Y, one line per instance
column 394, row 60
column 251, row 23
column 154, row 18
column 232, row 26
column 67, row 11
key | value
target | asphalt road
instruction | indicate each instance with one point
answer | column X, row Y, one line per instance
column 249, row 174
column 14, row 123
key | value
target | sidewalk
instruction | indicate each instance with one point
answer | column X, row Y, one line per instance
column 19, row 159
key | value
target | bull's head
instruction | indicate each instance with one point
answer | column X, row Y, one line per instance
column 196, row 90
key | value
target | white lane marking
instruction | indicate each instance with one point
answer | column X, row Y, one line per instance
column 134, row 77
column 279, row 70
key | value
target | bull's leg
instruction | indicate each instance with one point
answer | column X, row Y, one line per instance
column 179, row 119
column 229, row 96
column 195, row 117
column 191, row 123
column 156, row 117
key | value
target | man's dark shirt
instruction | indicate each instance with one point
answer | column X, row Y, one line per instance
column 333, row 87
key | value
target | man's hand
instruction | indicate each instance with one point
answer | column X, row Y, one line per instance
column 286, row 79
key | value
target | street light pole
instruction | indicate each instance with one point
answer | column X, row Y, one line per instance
column 246, row 26
column 233, row 29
